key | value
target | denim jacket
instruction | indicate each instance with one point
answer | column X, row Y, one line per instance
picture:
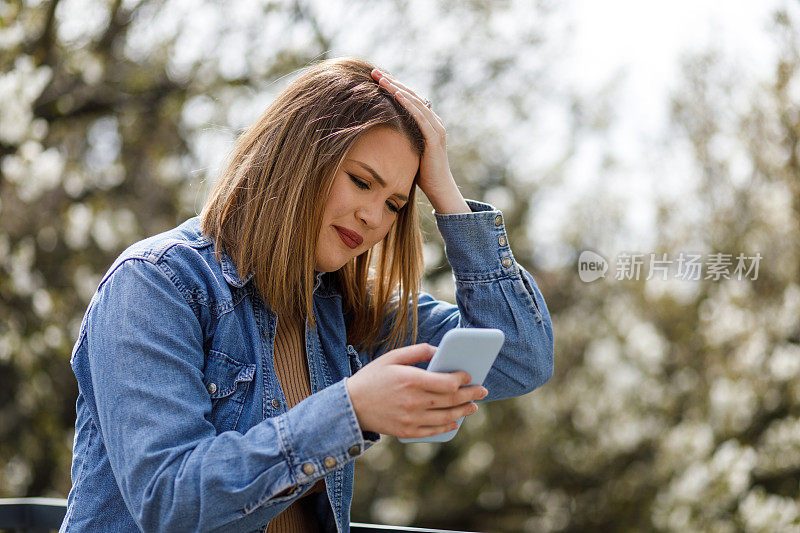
column 181, row 422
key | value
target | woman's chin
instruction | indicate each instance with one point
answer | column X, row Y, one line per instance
column 329, row 266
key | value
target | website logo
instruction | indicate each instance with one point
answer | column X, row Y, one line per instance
column 591, row 266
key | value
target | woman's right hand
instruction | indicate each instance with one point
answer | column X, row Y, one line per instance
column 391, row 397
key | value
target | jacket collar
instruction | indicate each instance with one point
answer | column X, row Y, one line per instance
column 229, row 271
column 231, row 275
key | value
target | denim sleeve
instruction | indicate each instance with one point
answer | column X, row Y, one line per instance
column 146, row 353
column 492, row 291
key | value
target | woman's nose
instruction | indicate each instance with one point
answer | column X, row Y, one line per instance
column 370, row 215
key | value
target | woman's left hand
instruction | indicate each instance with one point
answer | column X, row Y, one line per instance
column 435, row 178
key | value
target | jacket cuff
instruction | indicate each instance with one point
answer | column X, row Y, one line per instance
column 476, row 244
column 315, row 450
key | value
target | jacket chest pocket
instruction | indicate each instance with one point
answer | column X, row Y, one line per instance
column 227, row 382
column 355, row 362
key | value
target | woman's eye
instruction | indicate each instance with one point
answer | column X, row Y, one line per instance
column 360, row 184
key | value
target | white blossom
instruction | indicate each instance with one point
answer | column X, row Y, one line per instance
column 12, row 36
column 779, row 447
column 104, row 143
column 42, row 302
column 420, row 452
column 19, row 88
column 732, row 403
column 478, row 458
column 646, row 345
column 784, row 363
column 695, row 498
column 78, row 224
column 113, row 229
column 687, row 442
column 784, row 320
column 394, row 510
column 20, row 263
column 16, row 474
column 765, row 513
column 751, row 354
column 53, row 336
column 9, row 343
column 86, row 282
column 734, row 463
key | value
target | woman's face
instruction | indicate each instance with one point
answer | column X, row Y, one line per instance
column 373, row 181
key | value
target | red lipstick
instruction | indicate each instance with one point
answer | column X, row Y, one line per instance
column 349, row 237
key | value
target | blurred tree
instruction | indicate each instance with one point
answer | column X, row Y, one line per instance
column 676, row 404
column 745, row 351
column 114, row 117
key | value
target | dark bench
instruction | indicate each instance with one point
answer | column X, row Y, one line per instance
column 31, row 514
column 36, row 515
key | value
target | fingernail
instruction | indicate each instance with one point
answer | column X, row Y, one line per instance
column 484, row 393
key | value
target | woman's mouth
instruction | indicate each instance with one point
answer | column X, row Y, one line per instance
column 350, row 238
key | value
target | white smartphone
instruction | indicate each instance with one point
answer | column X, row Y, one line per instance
column 472, row 350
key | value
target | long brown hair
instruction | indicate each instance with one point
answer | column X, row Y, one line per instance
column 264, row 209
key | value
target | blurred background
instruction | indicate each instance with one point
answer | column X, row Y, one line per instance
column 617, row 126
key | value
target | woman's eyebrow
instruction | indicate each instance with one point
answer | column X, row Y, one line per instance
column 378, row 178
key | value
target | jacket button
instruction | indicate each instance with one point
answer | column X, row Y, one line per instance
column 506, row 262
column 276, row 404
column 498, row 220
column 212, row 388
column 502, row 240
column 330, row 462
column 308, row 469
column 354, row 450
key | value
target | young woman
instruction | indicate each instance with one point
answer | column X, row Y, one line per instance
column 228, row 368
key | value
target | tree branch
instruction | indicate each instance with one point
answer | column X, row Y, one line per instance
column 42, row 49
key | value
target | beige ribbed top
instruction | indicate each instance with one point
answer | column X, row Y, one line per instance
column 291, row 365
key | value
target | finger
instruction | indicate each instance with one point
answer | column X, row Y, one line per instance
column 443, row 382
column 408, row 355
column 388, row 80
column 461, row 396
column 466, row 379
column 422, row 115
column 430, row 431
column 437, row 122
column 438, row 417
column 471, row 394
column 388, row 77
column 407, row 98
column 427, row 112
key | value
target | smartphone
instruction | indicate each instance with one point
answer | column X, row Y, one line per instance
column 472, row 350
